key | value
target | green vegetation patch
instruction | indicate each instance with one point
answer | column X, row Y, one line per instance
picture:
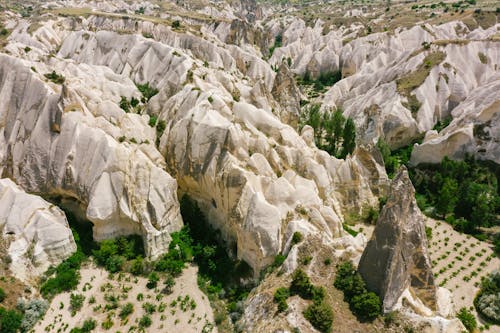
column 319, row 313
column 364, row 304
column 488, row 299
column 332, row 131
column 54, row 77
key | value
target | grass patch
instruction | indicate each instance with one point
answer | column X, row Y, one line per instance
column 409, row 82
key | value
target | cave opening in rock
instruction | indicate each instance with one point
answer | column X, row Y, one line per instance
column 81, row 227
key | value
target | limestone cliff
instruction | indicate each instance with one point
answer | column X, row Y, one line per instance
column 396, row 257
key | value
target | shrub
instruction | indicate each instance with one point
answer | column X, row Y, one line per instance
column 89, row 325
column 169, row 284
column 54, row 77
column 320, row 315
column 176, row 24
column 280, row 297
column 147, row 91
column 152, row 121
column 32, row 312
column 160, row 127
column 76, row 302
column 124, row 104
column 488, row 298
column 126, row 310
column 145, row 321
column 137, row 267
column 149, row 308
column 301, row 285
column 66, row 278
column 10, row 320
column 468, row 319
column 2, row 295
column 366, row 305
column 152, row 280
column 297, row 237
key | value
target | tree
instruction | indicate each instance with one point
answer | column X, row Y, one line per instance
column 447, row 198
column 301, row 285
column 349, row 138
column 366, row 305
column 10, row 320
column 320, row 315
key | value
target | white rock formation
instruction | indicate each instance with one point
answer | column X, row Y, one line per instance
column 250, row 173
column 35, row 232
column 53, row 144
column 461, row 86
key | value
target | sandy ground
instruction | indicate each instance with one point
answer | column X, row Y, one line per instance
column 196, row 316
column 458, row 262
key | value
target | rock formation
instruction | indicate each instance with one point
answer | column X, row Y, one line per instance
column 36, row 233
column 51, row 143
column 396, row 257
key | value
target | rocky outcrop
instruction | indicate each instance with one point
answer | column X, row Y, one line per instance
column 64, row 141
column 475, row 130
column 372, row 64
column 396, row 257
column 35, row 232
column 287, row 94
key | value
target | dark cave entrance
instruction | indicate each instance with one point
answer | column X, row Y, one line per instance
column 81, row 227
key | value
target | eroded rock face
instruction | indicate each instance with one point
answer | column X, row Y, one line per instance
column 287, row 94
column 36, row 233
column 52, row 143
column 396, row 257
column 250, row 172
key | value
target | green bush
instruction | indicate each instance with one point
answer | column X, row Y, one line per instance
column 301, row 285
column 468, row 319
column 10, row 320
column 113, row 253
column 176, row 24
column 124, row 104
column 66, row 277
column 54, row 77
column 145, row 321
column 89, row 325
column 2, row 295
column 126, row 310
column 152, row 121
column 320, row 315
column 280, row 297
column 147, row 91
column 152, row 280
column 365, row 305
column 297, row 237
column 76, row 302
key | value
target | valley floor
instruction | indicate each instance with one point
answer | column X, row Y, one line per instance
column 186, row 309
